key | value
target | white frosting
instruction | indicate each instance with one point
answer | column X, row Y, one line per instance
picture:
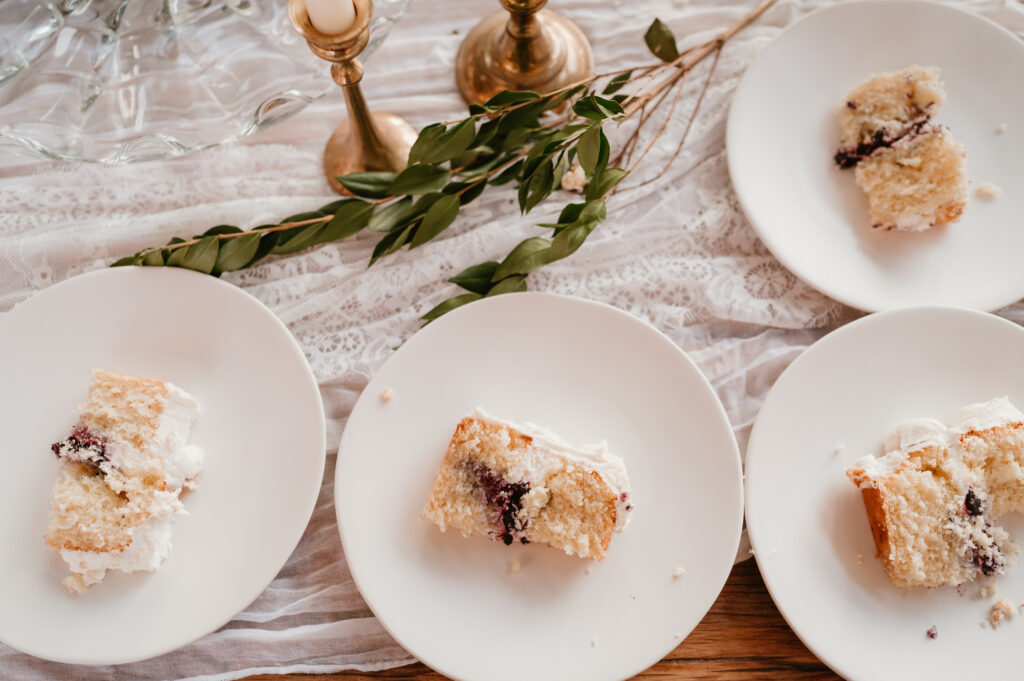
column 596, row 457
column 917, row 434
column 150, row 545
column 182, row 462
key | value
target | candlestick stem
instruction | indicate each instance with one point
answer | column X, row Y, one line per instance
column 365, row 141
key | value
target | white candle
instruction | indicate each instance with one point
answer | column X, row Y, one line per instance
column 331, row 17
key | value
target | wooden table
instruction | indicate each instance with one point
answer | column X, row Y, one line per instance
column 742, row 637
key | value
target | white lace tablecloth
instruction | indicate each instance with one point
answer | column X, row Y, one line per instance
column 676, row 252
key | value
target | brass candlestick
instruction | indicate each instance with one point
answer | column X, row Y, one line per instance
column 365, row 141
column 528, row 48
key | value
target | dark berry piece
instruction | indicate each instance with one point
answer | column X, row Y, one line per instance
column 973, row 504
column 933, row 632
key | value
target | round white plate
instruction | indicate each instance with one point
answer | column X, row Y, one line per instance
column 806, row 520
column 589, row 372
column 262, row 428
column 783, row 131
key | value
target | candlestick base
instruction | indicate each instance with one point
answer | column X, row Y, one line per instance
column 386, row 150
column 491, row 60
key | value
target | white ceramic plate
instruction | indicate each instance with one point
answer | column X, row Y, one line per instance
column 807, row 522
column 261, row 426
column 783, row 132
column 589, row 372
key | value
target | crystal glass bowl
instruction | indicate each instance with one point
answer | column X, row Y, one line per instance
column 127, row 80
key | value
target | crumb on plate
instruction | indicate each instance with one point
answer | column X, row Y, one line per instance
column 1001, row 610
column 987, row 190
column 386, row 395
column 679, row 572
column 932, row 633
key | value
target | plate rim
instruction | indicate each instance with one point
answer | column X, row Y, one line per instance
column 562, row 298
column 842, row 331
column 307, row 376
column 850, row 298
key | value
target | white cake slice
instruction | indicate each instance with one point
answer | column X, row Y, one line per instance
column 125, row 464
column 524, row 484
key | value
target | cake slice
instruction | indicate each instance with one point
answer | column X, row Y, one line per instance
column 932, row 499
column 125, row 464
column 524, row 484
column 911, row 169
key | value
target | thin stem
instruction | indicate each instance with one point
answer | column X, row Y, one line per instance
column 232, row 235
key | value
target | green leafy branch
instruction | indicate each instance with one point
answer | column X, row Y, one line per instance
column 521, row 138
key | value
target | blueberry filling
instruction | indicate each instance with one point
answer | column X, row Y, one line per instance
column 504, row 499
column 848, row 157
column 973, row 505
column 82, row 446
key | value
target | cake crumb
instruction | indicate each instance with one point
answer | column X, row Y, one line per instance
column 633, row 596
column 677, row 635
column 386, row 395
column 1001, row 610
column 839, row 449
column 593, row 643
column 987, row 190
column 587, row 571
column 932, row 633
column 983, row 624
column 1001, row 128
column 514, row 566
column 680, row 571
column 989, row 590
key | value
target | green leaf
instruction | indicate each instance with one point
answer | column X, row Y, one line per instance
column 236, row 253
column 476, row 278
column 539, row 186
column 438, row 217
column 124, row 262
column 513, row 284
column 472, row 193
column 661, row 41
column 390, row 243
column 450, row 304
column 604, row 183
column 370, row 185
column 202, row 255
column 588, row 149
column 556, row 179
column 419, row 179
column 425, row 141
column 506, row 97
column 221, row 229
column 350, row 218
column 154, row 258
column 596, row 108
column 433, row 146
column 616, row 83
column 507, row 175
column 529, row 255
column 300, row 241
column 267, row 243
column 176, row 257
column 391, row 216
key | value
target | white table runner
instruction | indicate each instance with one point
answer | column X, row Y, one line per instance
column 676, row 252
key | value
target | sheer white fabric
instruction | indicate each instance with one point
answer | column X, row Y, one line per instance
column 676, row 251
